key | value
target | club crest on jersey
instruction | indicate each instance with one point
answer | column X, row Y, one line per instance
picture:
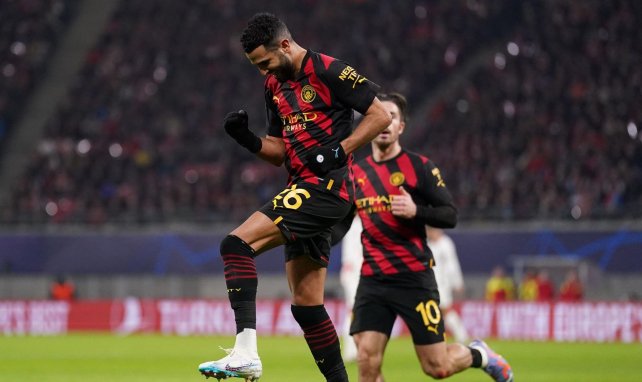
column 397, row 178
column 308, row 94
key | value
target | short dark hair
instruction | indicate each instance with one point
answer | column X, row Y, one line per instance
column 398, row 100
column 263, row 29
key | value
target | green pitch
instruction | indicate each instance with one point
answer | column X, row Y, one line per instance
column 155, row 358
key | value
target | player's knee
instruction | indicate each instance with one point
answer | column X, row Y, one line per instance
column 436, row 369
column 233, row 245
column 369, row 359
column 437, row 373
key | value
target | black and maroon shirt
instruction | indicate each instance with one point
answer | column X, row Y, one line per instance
column 316, row 109
column 393, row 245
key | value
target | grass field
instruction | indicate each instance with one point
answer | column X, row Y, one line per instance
column 155, row 358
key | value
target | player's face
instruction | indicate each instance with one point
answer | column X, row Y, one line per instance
column 391, row 133
column 273, row 61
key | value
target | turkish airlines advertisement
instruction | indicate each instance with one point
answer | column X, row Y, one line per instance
column 586, row 321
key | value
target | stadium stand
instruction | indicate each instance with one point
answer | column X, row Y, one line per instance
column 547, row 130
column 28, row 36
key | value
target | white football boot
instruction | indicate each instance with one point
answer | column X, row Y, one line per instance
column 234, row 364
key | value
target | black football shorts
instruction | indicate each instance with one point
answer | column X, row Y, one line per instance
column 412, row 296
column 305, row 214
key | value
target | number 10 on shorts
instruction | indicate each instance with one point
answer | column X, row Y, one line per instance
column 430, row 314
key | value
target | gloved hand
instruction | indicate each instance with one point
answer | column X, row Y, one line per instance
column 323, row 159
column 236, row 126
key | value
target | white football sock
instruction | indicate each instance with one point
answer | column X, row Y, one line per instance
column 246, row 343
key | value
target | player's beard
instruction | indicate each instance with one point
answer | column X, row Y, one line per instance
column 286, row 69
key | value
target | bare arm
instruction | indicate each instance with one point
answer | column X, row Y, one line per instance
column 374, row 121
column 272, row 150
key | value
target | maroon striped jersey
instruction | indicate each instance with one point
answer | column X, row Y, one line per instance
column 394, row 245
column 316, row 109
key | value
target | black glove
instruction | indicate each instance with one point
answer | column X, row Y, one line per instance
column 235, row 124
column 323, row 159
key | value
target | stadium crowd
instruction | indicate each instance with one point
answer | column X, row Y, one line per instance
column 535, row 285
column 550, row 127
column 29, row 33
column 547, row 130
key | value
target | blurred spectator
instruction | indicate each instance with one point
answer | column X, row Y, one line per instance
column 545, row 287
column 62, row 289
column 571, row 289
column 528, row 287
column 499, row 286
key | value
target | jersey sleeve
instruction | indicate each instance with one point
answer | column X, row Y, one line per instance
column 274, row 125
column 440, row 209
column 351, row 88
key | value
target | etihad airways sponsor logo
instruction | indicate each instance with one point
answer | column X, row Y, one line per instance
column 298, row 121
column 375, row 204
